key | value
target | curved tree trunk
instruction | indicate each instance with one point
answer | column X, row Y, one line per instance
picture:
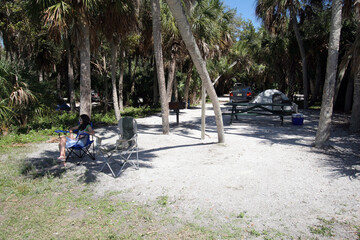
column 113, row 80
column 85, row 72
column 303, row 58
column 156, row 22
column 323, row 131
column 186, row 33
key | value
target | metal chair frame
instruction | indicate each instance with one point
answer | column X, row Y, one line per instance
column 125, row 149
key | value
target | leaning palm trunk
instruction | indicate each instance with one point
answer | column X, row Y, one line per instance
column 113, row 80
column 85, row 80
column 186, row 33
column 323, row 131
column 155, row 8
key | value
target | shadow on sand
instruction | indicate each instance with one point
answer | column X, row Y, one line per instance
column 343, row 153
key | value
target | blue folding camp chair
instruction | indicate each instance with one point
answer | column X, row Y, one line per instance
column 78, row 149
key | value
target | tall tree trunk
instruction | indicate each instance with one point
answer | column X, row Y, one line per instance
column 106, row 84
column 317, row 78
column 121, row 79
column 171, row 77
column 187, row 85
column 133, row 81
column 342, row 70
column 185, row 31
column 323, row 131
column 156, row 22
column 355, row 114
column 113, row 80
column 155, row 90
column 303, row 57
column 348, row 95
column 70, row 67
column 175, row 90
column 85, row 72
column 58, row 85
column 41, row 75
column 291, row 79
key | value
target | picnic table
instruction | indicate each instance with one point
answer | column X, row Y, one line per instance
column 265, row 109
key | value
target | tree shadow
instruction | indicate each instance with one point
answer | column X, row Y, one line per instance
column 343, row 152
column 86, row 169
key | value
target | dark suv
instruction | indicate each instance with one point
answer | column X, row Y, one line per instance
column 240, row 93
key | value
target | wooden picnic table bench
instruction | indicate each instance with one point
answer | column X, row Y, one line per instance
column 265, row 109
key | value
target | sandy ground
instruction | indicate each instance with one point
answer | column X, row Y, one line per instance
column 267, row 174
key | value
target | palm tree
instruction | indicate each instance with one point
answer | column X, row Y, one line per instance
column 190, row 42
column 155, row 9
column 117, row 20
column 58, row 14
column 274, row 14
column 323, row 132
column 171, row 46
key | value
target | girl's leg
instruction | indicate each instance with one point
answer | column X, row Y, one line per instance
column 62, row 144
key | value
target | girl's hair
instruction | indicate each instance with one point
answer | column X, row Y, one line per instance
column 85, row 121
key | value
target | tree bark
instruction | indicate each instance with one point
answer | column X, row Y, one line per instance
column 85, row 72
column 318, row 80
column 343, row 66
column 171, row 77
column 303, row 57
column 70, row 66
column 355, row 114
column 113, row 80
column 187, row 85
column 186, row 33
column 58, row 85
column 156, row 22
column 121, row 80
column 348, row 95
column 323, row 131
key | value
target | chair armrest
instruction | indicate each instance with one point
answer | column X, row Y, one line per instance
column 61, row 131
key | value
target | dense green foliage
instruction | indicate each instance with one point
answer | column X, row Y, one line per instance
column 34, row 61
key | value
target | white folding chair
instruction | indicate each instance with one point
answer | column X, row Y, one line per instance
column 124, row 147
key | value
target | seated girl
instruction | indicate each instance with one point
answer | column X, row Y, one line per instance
column 69, row 141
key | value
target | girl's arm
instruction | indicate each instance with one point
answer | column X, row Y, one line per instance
column 73, row 128
column 90, row 130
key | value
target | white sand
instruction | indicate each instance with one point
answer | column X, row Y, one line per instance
column 269, row 173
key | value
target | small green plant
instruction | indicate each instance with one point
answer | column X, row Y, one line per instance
column 255, row 233
column 323, row 229
column 241, row 215
column 162, row 200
